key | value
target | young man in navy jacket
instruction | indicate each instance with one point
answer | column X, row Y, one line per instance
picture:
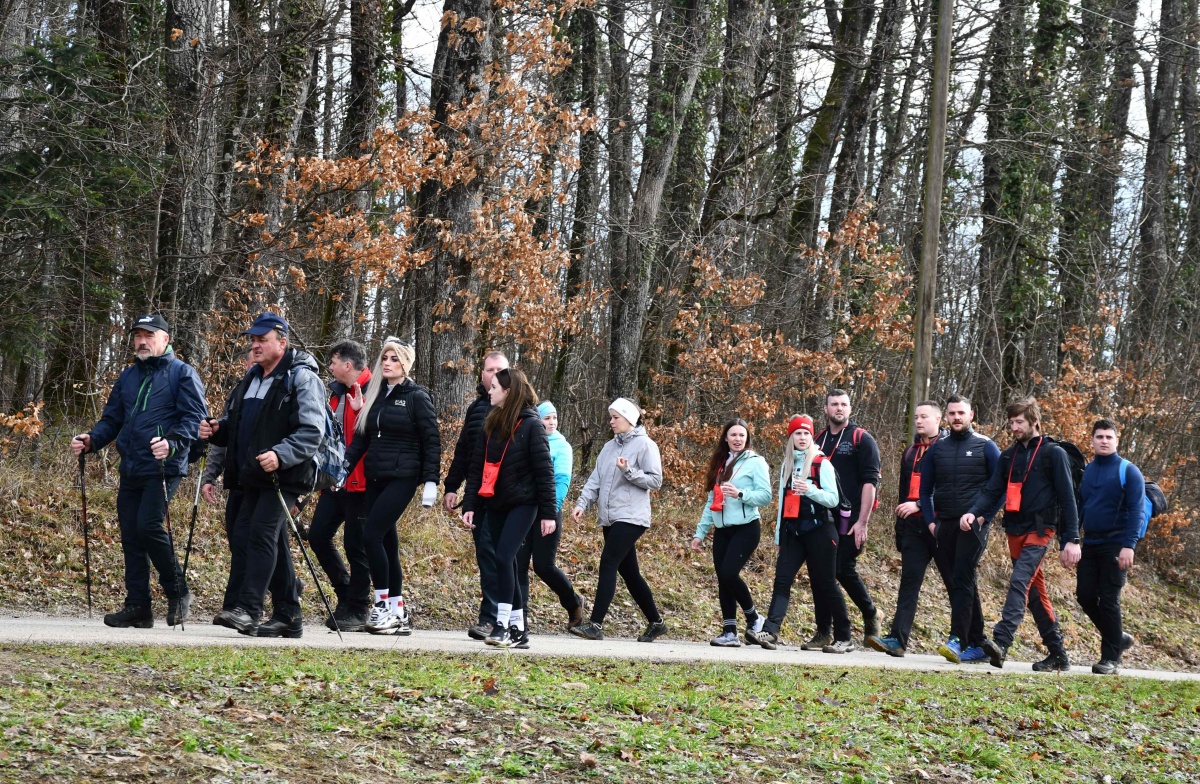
column 1111, row 518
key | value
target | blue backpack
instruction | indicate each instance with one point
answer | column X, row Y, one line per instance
column 329, row 461
column 1154, row 500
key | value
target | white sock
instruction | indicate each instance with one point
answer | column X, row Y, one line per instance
column 758, row 625
column 396, row 604
column 502, row 613
column 381, row 596
column 517, row 618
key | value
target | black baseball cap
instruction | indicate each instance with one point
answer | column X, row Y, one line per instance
column 265, row 323
column 151, row 322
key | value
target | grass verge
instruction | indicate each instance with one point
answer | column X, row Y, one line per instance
column 182, row 714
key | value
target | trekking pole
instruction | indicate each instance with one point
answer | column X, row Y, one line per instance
column 187, row 551
column 87, row 548
column 162, row 475
column 312, row 569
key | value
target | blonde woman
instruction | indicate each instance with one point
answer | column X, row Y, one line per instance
column 398, row 443
column 805, row 534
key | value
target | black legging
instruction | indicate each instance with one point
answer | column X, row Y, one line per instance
column 386, row 501
column 818, row 550
column 543, row 550
column 508, row 533
column 620, row 556
column 731, row 549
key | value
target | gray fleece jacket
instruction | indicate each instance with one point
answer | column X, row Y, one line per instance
column 624, row 496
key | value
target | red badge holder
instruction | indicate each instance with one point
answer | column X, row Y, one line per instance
column 791, row 504
column 718, row 503
column 491, row 471
column 914, row 487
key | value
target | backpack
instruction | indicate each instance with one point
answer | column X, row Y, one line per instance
column 1154, row 500
column 843, row 510
column 330, row 459
column 856, row 434
column 1075, row 460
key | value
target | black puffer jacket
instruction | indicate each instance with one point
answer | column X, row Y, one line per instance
column 955, row 471
column 400, row 439
column 472, row 426
column 526, row 473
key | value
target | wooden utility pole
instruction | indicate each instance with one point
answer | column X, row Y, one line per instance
column 932, row 219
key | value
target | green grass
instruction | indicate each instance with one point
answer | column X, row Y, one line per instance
column 303, row 715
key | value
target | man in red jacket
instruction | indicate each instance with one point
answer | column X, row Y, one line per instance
column 348, row 366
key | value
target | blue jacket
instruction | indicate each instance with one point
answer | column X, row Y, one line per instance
column 159, row 396
column 1111, row 513
column 826, row 495
column 752, row 476
column 563, row 457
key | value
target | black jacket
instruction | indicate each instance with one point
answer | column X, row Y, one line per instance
column 955, row 470
column 472, row 426
column 290, row 421
column 1047, row 497
column 526, row 473
column 855, row 455
column 400, row 439
column 914, row 457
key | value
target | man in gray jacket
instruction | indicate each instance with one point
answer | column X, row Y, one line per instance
column 628, row 468
column 271, row 432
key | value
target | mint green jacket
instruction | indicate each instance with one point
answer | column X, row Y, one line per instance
column 752, row 476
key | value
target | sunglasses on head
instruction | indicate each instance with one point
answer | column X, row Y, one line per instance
column 397, row 341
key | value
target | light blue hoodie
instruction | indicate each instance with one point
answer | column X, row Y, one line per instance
column 825, row 495
column 752, row 476
column 561, row 454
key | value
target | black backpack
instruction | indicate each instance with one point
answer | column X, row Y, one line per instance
column 1075, row 459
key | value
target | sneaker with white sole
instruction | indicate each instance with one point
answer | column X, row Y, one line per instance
column 382, row 620
column 817, row 642
column 404, row 625
column 840, row 646
column 727, row 639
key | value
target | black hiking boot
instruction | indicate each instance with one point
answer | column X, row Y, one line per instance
column 130, row 618
column 238, row 619
column 1057, row 661
column 291, row 628
column 996, row 654
column 179, row 610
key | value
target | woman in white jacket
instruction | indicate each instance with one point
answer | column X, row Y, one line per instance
column 628, row 468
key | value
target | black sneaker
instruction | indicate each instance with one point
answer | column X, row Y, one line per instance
column 653, row 631
column 1126, row 641
column 1106, row 667
column 130, row 618
column 498, row 636
column 178, row 610
column 218, row 620
column 996, row 654
column 355, row 619
column 818, row 642
column 519, row 637
column 292, row 629
column 1057, row 661
column 588, row 631
column 479, row 631
column 239, row 620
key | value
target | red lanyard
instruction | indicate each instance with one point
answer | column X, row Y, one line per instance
column 1028, row 466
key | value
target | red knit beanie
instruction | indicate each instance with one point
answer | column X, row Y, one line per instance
column 800, row 422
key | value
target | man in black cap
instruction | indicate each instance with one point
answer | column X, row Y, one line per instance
column 271, row 430
column 153, row 412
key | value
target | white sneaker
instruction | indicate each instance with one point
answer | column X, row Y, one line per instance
column 382, row 621
column 404, row 625
column 841, row 646
column 726, row 640
column 753, row 633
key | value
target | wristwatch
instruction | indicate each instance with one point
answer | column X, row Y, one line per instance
column 739, row 495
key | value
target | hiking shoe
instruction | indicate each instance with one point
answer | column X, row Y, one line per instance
column 519, row 637
column 382, row 620
column 973, row 655
column 840, row 646
column 889, row 645
column 754, row 633
column 768, row 640
column 130, row 618
column 291, row 628
column 817, row 642
column 352, row 620
column 871, row 628
column 653, row 631
column 1057, row 661
column 179, row 609
column 952, row 650
column 728, row 639
column 498, row 636
column 588, row 631
column 1106, row 667
column 479, row 631
column 1126, row 641
column 238, row 619
column 995, row 653
column 575, row 616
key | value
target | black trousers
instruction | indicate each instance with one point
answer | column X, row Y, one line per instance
column 1098, row 590
column 731, row 549
column 917, row 548
column 141, row 508
column 818, row 550
column 386, row 501
column 619, row 556
column 509, row 529
column 958, row 554
column 334, row 508
column 261, row 533
column 485, row 559
column 542, row 551
column 237, row 557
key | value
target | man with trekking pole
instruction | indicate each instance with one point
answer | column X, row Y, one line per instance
column 271, row 430
column 153, row 413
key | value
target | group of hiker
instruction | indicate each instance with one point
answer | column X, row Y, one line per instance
column 513, row 469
